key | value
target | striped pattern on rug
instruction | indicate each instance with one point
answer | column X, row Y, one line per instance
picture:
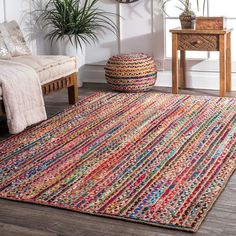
column 154, row 158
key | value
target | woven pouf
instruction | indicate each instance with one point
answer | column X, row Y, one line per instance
column 135, row 72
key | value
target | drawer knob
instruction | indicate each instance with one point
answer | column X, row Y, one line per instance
column 197, row 42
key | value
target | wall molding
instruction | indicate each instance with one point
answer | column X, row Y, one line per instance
column 195, row 79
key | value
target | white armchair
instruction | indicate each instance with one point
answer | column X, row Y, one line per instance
column 54, row 72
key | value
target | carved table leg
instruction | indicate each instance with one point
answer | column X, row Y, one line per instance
column 222, row 65
column 174, row 64
column 228, row 63
column 182, row 78
column 73, row 90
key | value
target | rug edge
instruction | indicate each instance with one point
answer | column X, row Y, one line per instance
column 184, row 229
column 197, row 226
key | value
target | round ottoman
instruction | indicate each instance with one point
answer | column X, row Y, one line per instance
column 135, row 72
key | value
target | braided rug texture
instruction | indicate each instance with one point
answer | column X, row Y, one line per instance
column 159, row 159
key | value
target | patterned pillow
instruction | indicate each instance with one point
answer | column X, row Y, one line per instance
column 14, row 39
column 4, row 53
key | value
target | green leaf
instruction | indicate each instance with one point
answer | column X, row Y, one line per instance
column 80, row 21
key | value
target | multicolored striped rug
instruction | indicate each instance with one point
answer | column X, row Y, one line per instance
column 154, row 158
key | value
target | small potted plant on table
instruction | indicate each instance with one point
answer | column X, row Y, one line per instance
column 187, row 17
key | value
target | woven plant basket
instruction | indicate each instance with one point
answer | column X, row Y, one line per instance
column 134, row 72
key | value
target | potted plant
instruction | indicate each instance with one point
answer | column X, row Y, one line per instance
column 187, row 17
column 71, row 24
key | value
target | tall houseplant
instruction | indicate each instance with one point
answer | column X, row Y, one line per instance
column 74, row 23
column 187, row 16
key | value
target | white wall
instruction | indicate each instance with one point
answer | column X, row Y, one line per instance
column 139, row 31
column 19, row 10
column 136, row 31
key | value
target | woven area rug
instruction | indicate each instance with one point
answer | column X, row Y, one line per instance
column 159, row 159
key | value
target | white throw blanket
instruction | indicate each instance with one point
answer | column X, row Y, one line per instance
column 22, row 95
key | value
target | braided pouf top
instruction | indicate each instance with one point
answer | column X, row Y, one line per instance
column 126, row 1
column 135, row 72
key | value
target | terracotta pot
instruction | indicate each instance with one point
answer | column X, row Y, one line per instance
column 187, row 20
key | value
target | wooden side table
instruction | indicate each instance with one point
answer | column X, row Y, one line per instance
column 201, row 40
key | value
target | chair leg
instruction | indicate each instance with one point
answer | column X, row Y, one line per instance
column 73, row 90
column 2, row 109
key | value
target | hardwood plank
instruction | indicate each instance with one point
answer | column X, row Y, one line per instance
column 9, row 230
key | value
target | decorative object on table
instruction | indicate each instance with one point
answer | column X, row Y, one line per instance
column 187, row 17
column 134, row 72
column 159, row 159
column 74, row 24
column 204, row 40
column 126, row 1
column 210, row 23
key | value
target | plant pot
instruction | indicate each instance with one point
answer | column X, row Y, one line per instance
column 64, row 47
column 187, row 20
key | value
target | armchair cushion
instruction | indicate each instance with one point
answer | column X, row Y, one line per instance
column 49, row 68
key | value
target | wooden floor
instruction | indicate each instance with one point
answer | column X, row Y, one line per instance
column 18, row 219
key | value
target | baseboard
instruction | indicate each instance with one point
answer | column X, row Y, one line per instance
column 195, row 79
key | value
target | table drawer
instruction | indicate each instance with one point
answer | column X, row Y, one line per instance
column 198, row 42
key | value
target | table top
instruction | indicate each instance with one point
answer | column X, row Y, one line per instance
column 193, row 31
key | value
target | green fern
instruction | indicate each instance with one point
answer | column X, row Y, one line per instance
column 79, row 20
